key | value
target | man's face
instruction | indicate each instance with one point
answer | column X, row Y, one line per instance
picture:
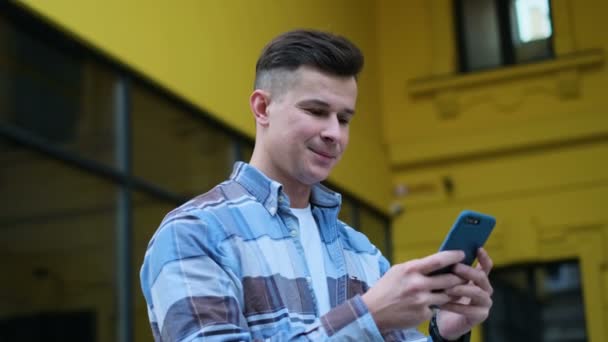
column 308, row 126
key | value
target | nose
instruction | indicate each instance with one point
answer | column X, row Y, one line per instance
column 331, row 132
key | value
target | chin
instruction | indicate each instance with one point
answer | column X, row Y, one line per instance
column 317, row 176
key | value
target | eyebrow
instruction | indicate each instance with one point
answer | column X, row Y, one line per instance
column 320, row 103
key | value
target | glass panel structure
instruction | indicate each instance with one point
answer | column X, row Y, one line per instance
column 540, row 302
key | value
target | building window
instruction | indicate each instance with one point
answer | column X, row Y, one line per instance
column 495, row 33
column 539, row 302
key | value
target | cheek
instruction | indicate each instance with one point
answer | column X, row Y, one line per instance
column 300, row 132
column 345, row 137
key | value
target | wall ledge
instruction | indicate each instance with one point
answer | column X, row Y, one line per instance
column 439, row 84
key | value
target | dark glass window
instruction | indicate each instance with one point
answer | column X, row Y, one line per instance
column 494, row 33
column 57, row 94
column 541, row 302
column 58, row 243
column 49, row 327
column 244, row 150
column 177, row 149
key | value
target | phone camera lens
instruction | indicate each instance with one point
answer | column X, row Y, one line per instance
column 472, row 220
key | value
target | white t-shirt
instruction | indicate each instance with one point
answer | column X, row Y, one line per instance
column 311, row 241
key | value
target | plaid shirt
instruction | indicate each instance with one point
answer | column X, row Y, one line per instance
column 229, row 265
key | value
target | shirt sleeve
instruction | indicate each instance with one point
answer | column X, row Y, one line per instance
column 193, row 296
column 190, row 295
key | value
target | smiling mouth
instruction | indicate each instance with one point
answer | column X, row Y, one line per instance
column 329, row 156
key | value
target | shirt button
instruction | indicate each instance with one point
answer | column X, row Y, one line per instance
column 309, row 280
column 294, row 233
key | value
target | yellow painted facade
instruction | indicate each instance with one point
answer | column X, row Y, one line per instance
column 527, row 144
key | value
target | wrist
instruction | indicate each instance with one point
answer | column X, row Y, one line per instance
column 370, row 303
column 437, row 337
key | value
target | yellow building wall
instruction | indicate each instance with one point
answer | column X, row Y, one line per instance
column 205, row 51
column 527, row 144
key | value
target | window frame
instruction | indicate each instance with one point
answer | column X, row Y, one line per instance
column 508, row 56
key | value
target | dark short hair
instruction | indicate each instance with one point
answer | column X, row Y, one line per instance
column 330, row 53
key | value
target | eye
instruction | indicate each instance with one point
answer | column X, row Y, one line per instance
column 316, row 111
column 344, row 120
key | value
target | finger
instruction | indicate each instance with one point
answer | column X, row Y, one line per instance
column 474, row 314
column 461, row 300
column 477, row 276
column 445, row 281
column 485, row 261
column 478, row 296
column 438, row 299
column 437, row 261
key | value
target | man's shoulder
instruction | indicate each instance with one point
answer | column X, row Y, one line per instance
column 202, row 220
column 354, row 240
column 224, row 194
column 203, row 210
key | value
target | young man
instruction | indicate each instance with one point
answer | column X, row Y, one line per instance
column 263, row 256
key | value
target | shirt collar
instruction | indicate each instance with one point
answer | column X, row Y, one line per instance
column 270, row 192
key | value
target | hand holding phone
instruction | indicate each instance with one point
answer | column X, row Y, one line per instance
column 470, row 232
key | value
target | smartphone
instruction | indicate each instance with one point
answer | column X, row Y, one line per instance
column 469, row 232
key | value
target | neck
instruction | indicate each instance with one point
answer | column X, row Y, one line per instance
column 298, row 193
column 299, row 196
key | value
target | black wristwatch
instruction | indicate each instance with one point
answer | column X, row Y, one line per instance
column 434, row 332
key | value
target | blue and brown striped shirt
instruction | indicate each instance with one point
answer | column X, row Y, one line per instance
column 228, row 266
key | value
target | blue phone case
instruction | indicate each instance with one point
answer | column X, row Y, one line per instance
column 470, row 231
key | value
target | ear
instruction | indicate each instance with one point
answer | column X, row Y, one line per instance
column 259, row 102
